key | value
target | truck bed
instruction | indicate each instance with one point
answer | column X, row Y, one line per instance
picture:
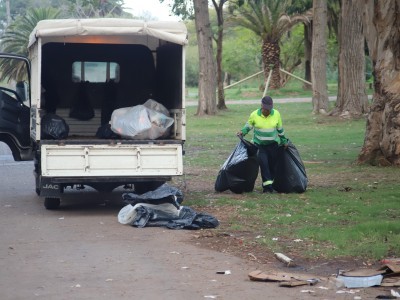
column 87, row 129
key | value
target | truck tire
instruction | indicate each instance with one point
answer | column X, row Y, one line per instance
column 51, row 203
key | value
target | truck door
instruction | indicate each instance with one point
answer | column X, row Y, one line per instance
column 15, row 105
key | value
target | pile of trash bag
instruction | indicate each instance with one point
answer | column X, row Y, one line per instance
column 290, row 173
column 161, row 207
column 148, row 121
column 239, row 172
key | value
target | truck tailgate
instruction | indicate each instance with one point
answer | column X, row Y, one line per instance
column 112, row 160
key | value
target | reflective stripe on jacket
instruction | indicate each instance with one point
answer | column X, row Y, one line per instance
column 267, row 130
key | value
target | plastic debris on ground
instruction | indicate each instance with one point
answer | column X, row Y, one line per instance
column 240, row 170
column 161, row 207
column 286, row 260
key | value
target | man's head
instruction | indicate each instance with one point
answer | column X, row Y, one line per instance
column 266, row 105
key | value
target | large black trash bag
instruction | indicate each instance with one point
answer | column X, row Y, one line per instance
column 53, row 127
column 290, row 173
column 240, row 170
column 164, row 194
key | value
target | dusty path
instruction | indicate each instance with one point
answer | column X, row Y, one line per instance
column 81, row 252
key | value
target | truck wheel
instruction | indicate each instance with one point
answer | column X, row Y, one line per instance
column 51, row 203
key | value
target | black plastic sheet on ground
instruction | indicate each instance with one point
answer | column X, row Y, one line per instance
column 163, row 194
column 161, row 207
column 240, row 170
column 188, row 219
column 290, row 173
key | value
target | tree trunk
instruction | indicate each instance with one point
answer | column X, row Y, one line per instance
column 207, row 79
column 227, row 79
column 307, row 54
column 270, row 55
column 318, row 62
column 8, row 12
column 352, row 100
column 220, row 35
column 381, row 29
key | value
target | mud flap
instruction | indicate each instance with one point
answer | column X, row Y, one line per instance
column 49, row 188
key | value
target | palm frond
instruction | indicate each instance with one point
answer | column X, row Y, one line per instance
column 16, row 37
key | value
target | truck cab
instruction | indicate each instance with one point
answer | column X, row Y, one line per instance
column 56, row 105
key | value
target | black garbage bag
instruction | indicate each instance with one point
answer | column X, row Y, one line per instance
column 164, row 194
column 290, row 173
column 54, row 127
column 105, row 132
column 240, row 170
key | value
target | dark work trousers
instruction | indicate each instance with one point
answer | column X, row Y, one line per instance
column 267, row 156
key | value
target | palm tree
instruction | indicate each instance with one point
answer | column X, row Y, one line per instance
column 267, row 19
column 16, row 37
column 96, row 8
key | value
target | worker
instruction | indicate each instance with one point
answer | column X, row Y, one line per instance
column 268, row 136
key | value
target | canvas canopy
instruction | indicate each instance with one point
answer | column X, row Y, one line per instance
column 171, row 31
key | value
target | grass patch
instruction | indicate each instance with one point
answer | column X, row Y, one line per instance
column 348, row 210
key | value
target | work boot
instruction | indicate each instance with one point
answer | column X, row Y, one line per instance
column 268, row 189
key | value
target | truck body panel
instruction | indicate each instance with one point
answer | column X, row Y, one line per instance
column 111, row 160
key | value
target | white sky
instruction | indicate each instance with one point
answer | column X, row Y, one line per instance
column 152, row 8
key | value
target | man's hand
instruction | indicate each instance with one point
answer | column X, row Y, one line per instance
column 239, row 133
column 285, row 146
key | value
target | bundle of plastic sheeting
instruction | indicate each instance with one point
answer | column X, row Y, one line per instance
column 165, row 215
column 133, row 214
column 161, row 207
column 147, row 121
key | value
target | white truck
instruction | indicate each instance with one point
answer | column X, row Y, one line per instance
column 81, row 71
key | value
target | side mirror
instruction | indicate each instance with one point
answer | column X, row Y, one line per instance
column 22, row 90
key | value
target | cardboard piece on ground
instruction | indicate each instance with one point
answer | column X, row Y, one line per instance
column 293, row 283
column 391, row 269
column 282, row 277
column 390, row 281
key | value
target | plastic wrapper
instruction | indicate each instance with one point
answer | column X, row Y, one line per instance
column 240, row 170
column 290, row 173
column 141, row 213
column 54, row 127
column 147, row 121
